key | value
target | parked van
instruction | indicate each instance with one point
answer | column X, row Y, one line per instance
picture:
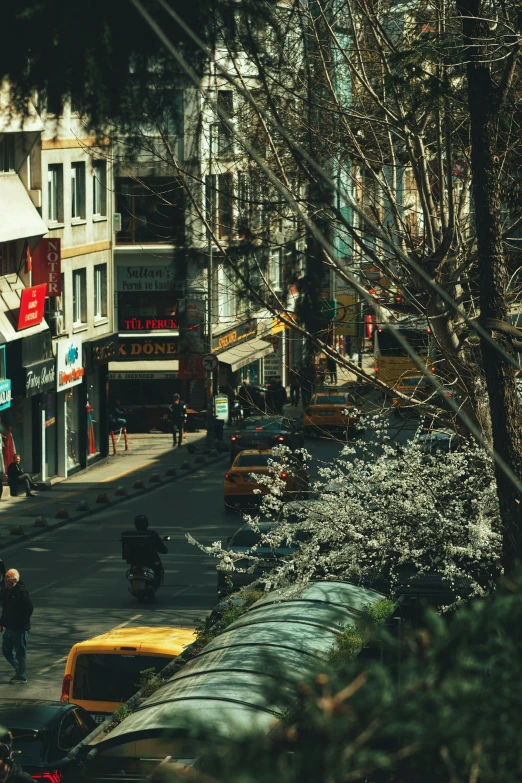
column 103, row 672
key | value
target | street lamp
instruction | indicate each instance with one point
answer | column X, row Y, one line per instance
column 210, row 221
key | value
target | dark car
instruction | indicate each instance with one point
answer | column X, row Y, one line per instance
column 265, row 432
column 438, row 440
column 422, row 388
column 44, row 732
column 244, row 541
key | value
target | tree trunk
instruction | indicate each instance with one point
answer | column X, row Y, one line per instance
column 506, row 420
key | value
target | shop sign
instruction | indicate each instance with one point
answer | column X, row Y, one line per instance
column 145, row 278
column 140, row 324
column 273, row 363
column 142, row 376
column 5, row 394
column 346, row 315
column 159, row 349
column 102, row 351
column 32, row 304
column 69, row 363
column 40, row 377
column 46, row 263
column 191, row 367
column 236, row 335
column 221, row 407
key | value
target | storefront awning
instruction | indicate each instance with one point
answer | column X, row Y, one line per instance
column 245, row 353
column 9, row 307
column 20, row 220
column 143, row 371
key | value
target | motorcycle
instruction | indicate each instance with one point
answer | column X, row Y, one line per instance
column 142, row 580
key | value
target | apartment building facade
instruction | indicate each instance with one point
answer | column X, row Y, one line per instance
column 55, row 290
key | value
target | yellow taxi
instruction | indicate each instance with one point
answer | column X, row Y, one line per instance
column 240, row 483
column 102, row 673
column 330, row 411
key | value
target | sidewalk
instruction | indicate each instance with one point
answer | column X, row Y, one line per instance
column 148, row 454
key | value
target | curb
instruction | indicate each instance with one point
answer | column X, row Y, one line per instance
column 77, row 517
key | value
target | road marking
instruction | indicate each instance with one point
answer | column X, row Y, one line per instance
column 62, row 660
column 47, row 668
column 37, row 549
column 122, row 625
column 45, row 587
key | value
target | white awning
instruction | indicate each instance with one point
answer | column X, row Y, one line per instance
column 9, row 307
column 245, row 353
column 18, row 216
column 144, row 370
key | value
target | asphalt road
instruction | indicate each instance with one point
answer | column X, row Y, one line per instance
column 76, row 576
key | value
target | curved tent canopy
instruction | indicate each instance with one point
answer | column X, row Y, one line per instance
column 238, row 683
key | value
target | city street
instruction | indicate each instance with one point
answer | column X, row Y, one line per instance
column 76, row 576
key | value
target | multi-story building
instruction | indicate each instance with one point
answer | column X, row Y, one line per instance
column 55, row 290
column 77, row 209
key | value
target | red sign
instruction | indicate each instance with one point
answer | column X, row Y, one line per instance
column 32, row 306
column 149, row 324
column 190, row 367
column 47, row 266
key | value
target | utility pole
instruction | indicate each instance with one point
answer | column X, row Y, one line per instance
column 210, row 221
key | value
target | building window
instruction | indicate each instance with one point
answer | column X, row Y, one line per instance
column 275, row 269
column 225, row 196
column 211, row 201
column 225, row 140
column 55, row 193
column 100, row 291
column 7, row 153
column 99, row 188
column 79, row 297
column 151, row 210
column 77, row 191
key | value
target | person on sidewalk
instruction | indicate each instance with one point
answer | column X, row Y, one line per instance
column 117, row 420
column 16, row 478
column 295, row 385
column 178, row 417
column 15, row 623
column 331, row 365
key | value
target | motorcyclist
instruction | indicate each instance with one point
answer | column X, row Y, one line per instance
column 10, row 771
column 141, row 547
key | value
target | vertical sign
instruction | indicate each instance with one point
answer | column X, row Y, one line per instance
column 32, row 303
column 47, row 265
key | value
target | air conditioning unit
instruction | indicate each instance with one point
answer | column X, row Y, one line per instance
column 56, row 323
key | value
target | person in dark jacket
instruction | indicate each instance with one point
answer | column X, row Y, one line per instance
column 10, row 772
column 275, row 396
column 178, row 417
column 142, row 547
column 16, row 478
column 15, row 624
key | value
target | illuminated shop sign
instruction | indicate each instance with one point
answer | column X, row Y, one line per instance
column 141, row 324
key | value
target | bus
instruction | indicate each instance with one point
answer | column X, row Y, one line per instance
column 392, row 363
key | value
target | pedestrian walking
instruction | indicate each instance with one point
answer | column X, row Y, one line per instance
column 332, row 369
column 178, row 417
column 307, row 375
column 15, row 623
column 321, row 371
column 16, row 478
column 295, row 385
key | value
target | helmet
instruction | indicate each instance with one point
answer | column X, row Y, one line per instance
column 141, row 522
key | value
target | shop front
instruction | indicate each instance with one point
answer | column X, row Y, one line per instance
column 143, row 380
column 5, row 404
column 32, row 415
column 71, row 414
column 241, row 354
column 96, row 357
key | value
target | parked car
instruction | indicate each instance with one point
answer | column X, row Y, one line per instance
column 44, row 732
column 331, row 411
column 439, row 440
column 265, row 432
column 241, row 488
column 103, row 672
column 421, row 388
column 245, row 541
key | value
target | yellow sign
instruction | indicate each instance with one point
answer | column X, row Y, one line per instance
column 278, row 326
column 346, row 316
